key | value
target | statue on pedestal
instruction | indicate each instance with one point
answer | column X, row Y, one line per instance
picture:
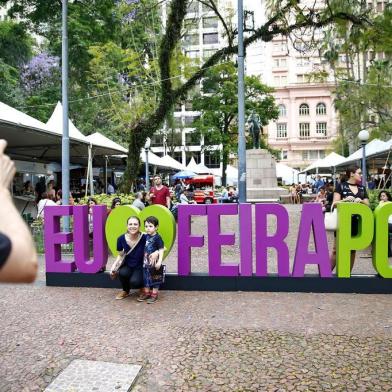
column 254, row 123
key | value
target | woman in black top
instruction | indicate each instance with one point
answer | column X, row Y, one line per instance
column 131, row 244
column 350, row 191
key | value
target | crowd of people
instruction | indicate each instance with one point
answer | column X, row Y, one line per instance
column 140, row 255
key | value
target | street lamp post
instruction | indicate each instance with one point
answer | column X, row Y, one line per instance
column 241, row 107
column 363, row 136
column 146, row 149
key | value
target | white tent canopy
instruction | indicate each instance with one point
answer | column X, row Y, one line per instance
column 203, row 169
column 55, row 123
column 98, row 139
column 287, row 173
column 192, row 166
column 29, row 138
column 171, row 163
column 329, row 161
column 374, row 147
column 153, row 159
column 231, row 174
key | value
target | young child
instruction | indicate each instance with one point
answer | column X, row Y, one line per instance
column 153, row 242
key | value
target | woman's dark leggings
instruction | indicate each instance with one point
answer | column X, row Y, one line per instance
column 130, row 277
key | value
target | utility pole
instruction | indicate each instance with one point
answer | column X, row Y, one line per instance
column 241, row 108
column 64, row 90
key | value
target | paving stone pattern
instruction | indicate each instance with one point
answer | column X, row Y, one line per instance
column 95, row 376
column 201, row 341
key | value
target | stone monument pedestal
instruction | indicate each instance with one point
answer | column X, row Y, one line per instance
column 261, row 181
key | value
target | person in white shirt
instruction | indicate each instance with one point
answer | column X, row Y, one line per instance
column 185, row 200
column 138, row 202
column 44, row 202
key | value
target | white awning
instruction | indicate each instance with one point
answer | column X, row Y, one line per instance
column 97, row 139
column 329, row 161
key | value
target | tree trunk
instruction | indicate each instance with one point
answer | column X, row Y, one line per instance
column 133, row 163
column 225, row 159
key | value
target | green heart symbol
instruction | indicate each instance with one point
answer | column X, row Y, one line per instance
column 116, row 224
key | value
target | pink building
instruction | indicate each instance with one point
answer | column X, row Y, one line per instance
column 307, row 123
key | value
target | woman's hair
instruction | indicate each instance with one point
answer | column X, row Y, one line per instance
column 115, row 201
column 351, row 169
column 133, row 217
column 91, row 199
column 389, row 197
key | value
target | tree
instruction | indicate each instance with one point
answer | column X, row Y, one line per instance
column 286, row 17
column 15, row 50
column 362, row 81
column 41, row 85
column 218, row 106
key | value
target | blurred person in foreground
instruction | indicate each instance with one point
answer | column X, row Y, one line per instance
column 18, row 257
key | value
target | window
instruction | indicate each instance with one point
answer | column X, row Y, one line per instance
column 281, row 130
column 192, row 54
column 210, row 22
column 282, row 111
column 302, row 61
column 304, row 130
column 193, row 7
column 177, row 122
column 191, row 24
column 210, row 38
column 212, row 159
column 206, row 8
column 173, row 138
column 207, row 53
column 280, row 80
column 283, row 154
column 191, row 39
column 188, row 106
column 178, row 107
column 190, row 119
column 313, row 155
column 302, row 78
column 157, row 140
column 280, row 62
column 192, row 154
column 321, row 109
column 304, row 109
column 177, row 155
column 321, row 129
column 279, row 47
column 301, row 46
column 192, row 139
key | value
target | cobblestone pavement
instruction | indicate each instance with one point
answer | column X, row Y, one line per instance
column 201, row 341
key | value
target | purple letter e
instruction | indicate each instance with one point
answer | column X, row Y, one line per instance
column 54, row 238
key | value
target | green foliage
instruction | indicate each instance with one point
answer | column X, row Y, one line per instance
column 15, row 43
column 218, row 106
column 363, row 82
column 104, row 199
column 373, row 198
column 10, row 93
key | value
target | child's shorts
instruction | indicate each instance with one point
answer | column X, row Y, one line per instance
column 148, row 280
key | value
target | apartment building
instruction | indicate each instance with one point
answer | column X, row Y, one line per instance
column 307, row 123
column 203, row 37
